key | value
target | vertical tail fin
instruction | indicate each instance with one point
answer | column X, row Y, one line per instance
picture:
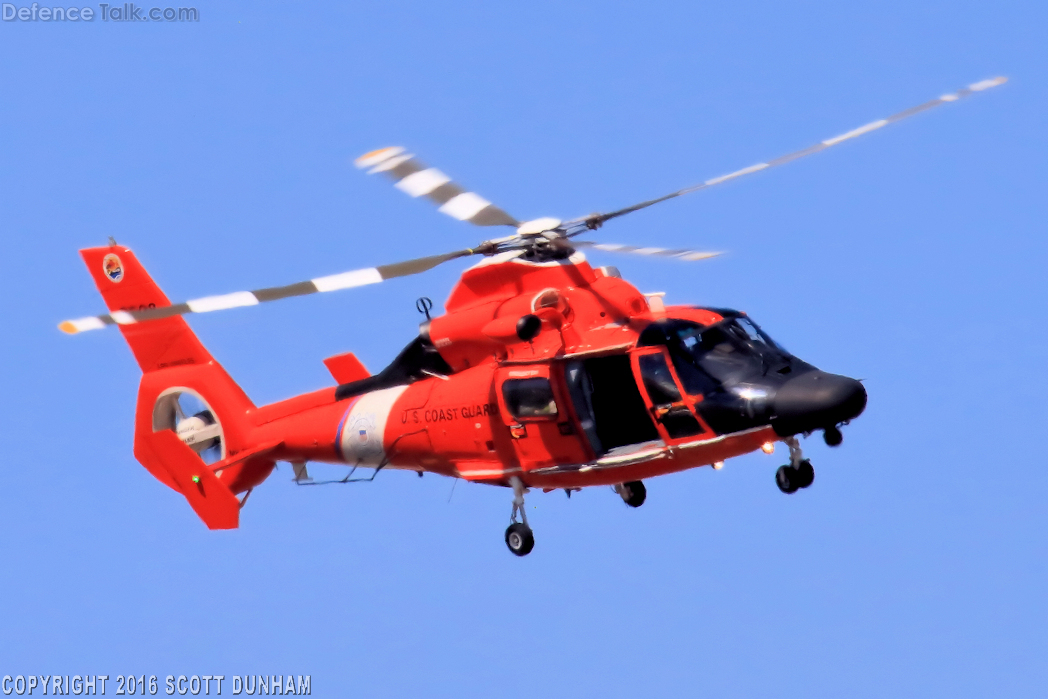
column 192, row 418
column 125, row 285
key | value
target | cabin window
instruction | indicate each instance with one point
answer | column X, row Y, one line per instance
column 529, row 398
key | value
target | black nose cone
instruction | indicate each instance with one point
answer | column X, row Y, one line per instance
column 815, row 400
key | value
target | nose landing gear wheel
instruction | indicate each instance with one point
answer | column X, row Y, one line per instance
column 786, row 479
column 790, row 479
column 798, row 473
column 519, row 539
column 805, row 473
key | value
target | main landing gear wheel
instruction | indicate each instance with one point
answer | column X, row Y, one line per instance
column 633, row 493
column 798, row 474
column 520, row 539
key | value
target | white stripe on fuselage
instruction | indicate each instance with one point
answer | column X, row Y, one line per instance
column 364, row 428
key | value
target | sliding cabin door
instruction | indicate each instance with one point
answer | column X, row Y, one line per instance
column 535, row 407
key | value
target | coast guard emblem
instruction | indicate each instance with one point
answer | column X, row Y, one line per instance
column 113, row 268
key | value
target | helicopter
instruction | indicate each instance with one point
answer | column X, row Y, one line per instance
column 544, row 372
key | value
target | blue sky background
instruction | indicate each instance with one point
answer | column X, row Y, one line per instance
column 221, row 151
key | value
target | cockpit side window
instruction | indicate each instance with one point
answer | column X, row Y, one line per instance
column 658, row 380
column 529, row 397
column 695, row 380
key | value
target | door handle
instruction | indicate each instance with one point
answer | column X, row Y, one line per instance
column 661, row 411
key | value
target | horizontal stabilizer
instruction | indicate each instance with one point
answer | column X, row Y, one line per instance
column 346, row 368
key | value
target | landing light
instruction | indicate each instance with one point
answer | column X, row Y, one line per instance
column 768, row 448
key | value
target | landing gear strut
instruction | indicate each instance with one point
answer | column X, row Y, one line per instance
column 798, row 473
column 519, row 537
column 633, row 493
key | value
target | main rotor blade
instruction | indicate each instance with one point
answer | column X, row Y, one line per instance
column 686, row 255
column 411, row 176
column 334, row 282
column 595, row 220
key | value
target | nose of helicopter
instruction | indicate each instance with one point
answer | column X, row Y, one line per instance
column 816, row 400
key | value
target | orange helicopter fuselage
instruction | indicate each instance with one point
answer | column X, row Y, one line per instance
column 468, row 423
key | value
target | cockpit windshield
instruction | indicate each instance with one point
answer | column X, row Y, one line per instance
column 729, row 352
